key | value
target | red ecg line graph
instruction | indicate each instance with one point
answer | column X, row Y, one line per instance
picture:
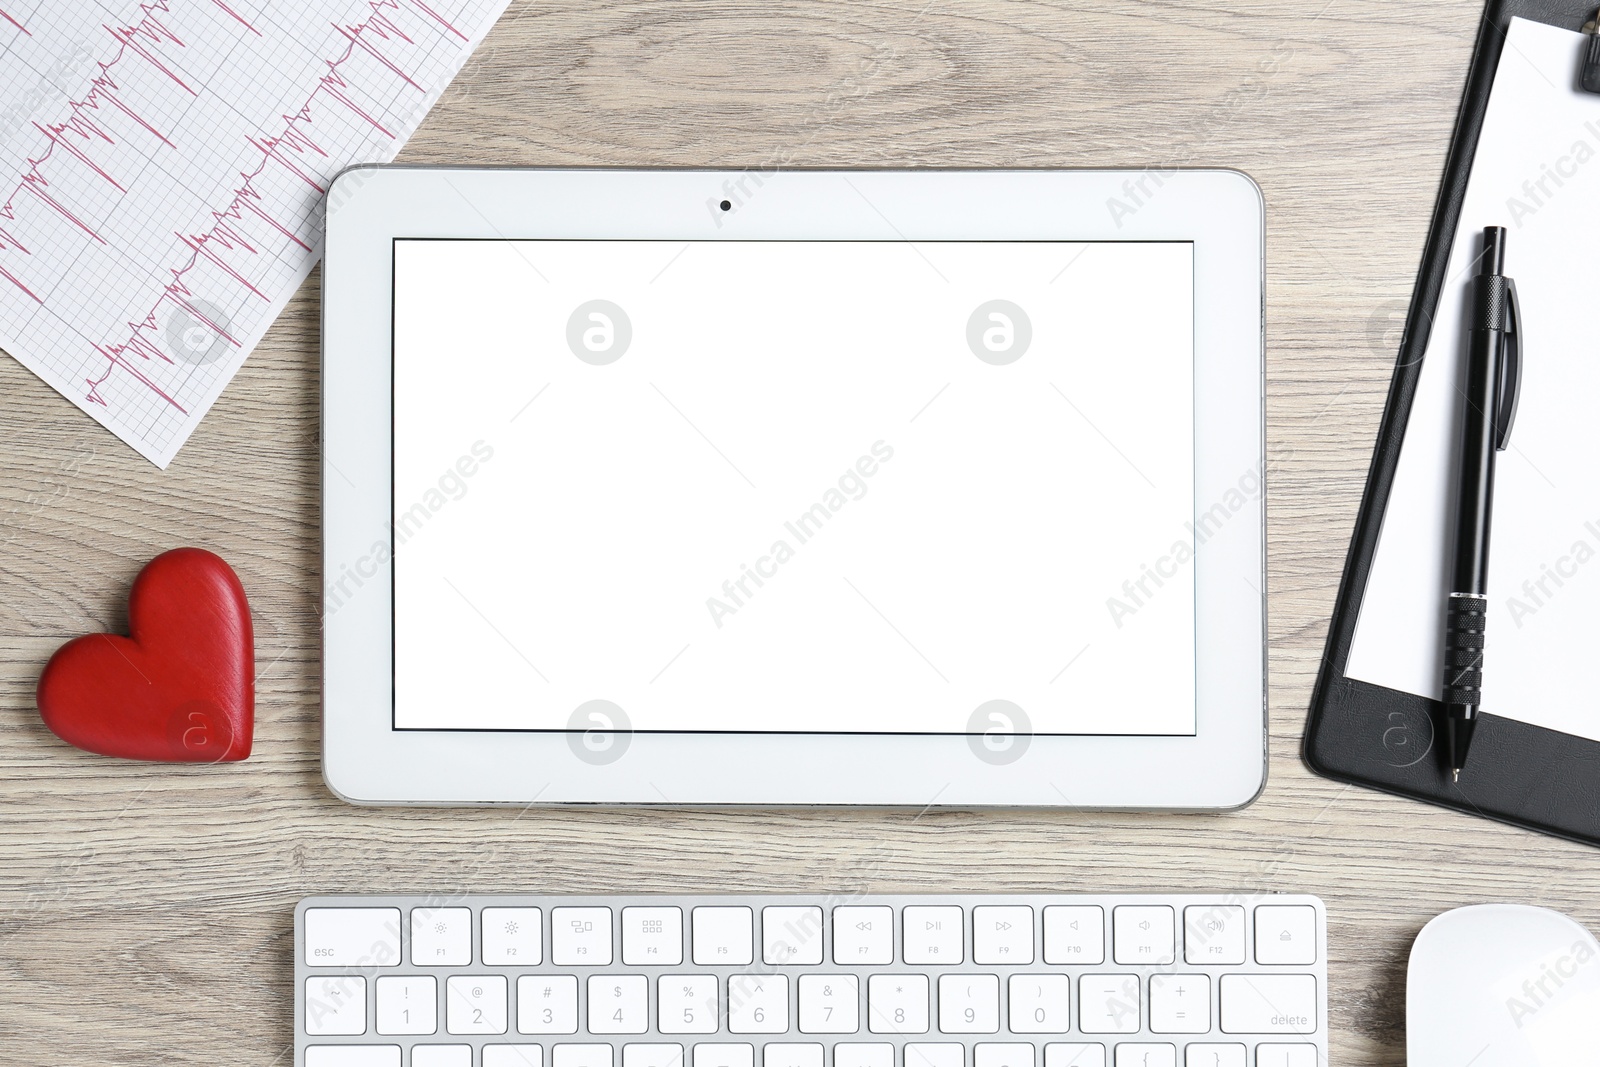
column 67, row 145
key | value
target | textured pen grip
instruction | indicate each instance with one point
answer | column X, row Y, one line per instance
column 1489, row 310
column 1463, row 650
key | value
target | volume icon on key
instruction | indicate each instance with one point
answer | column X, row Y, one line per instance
column 1074, row 933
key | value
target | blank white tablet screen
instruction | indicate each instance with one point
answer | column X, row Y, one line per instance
column 794, row 486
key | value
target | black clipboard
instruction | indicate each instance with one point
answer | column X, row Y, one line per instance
column 1384, row 739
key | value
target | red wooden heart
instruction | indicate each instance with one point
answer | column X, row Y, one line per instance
column 181, row 688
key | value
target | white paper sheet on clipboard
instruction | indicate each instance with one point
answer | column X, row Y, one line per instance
column 1536, row 172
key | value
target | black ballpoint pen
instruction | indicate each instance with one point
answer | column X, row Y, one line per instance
column 1493, row 380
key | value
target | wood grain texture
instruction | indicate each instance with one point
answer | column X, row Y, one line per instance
column 145, row 911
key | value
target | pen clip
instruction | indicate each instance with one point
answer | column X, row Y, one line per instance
column 1509, row 389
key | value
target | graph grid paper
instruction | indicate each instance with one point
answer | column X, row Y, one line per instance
column 162, row 173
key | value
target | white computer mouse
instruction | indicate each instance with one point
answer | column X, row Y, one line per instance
column 1503, row 985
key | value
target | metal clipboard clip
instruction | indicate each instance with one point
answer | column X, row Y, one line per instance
column 1589, row 72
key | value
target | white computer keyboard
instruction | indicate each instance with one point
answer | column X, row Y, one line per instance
column 811, row 981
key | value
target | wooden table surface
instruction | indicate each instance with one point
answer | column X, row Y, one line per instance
column 146, row 911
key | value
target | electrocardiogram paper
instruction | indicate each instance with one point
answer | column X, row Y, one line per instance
column 162, row 172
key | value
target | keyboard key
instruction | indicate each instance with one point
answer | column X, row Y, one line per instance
column 641, row 1055
column 1070, row 1054
column 791, row 936
column 437, row 1056
column 786, row 1055
column 686, row 1004
column 723, row 936
column 935, row 1055
column 758, row 1004
column 513, row 1056
column 931, row 935
column 475, row 1004
column 720, row 1055
column 1218, row 1056
column 1286, row 934
column 352, row 937
column 969, row 1004
column 1213, row 934
column 441, row 937
column 1108, row 1004
column 652, row 937
column 1075, row 933
column 359, row 1056
column 1142, row 934
column 863, row 935
column 547, row 1004
column 580, row 937
column 579, row 1055
column 897, row 1003
column 1039, row 1003
column 1269, row 1004
column 1002, row 935
column 995, row 1054
column 513, row 937
column 336, row 1005
column 863, row 1055
column 1180, row 1003
column 408, row 1005
column 619, row 1004
column 829, row 1004
column 1137, row 1054
column 1286, row 1056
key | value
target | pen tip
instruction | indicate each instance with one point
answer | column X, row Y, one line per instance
column 1455, row 775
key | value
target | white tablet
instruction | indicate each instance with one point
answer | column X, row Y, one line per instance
column 782, row 488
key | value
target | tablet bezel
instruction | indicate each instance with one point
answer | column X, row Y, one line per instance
column 365, row 760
